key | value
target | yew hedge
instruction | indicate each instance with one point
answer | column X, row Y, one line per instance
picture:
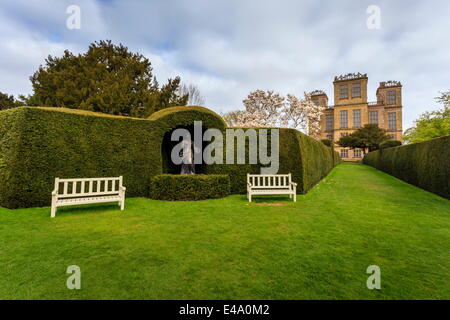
column 38, row 144
column 425, row 164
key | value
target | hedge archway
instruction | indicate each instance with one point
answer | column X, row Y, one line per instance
column 167, row 120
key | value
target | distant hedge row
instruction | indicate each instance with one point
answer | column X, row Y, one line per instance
column 39, row 144
column 425, row 164
column 189, row 186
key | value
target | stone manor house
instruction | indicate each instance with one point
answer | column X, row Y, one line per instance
column 351, row 110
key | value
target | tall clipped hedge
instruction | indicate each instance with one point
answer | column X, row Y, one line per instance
column 307, row 159
column 316, row 161
column 425, row 164
column 39, row 144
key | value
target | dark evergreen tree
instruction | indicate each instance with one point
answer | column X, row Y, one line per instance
column 370, row 136
column 7, row 101
column 107, row 78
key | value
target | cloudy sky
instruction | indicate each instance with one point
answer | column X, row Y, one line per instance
column 230, row 47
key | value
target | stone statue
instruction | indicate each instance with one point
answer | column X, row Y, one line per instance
column 187, row 164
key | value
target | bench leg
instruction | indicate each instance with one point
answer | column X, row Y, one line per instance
column 122, row 204
column 249, row 197
column 53, row 212
column 295, row 197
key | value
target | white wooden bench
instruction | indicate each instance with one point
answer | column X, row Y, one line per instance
column 270, row 184
column 71, row 192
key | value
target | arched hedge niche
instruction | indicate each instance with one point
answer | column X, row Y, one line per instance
column 170, row 119
column 166, row 151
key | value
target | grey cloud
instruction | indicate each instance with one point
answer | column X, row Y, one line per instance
column 229, row 48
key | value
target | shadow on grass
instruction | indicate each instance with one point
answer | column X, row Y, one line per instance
column 269, row 199
column 97, row 208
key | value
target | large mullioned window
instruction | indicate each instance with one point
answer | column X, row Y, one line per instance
column 356, row 90
column 392, row 120
column 373, row 117
column 344, row 153
column 391, row 97
column 343, row 91
column 329, row 122
column 344, row 118
column 357, row 118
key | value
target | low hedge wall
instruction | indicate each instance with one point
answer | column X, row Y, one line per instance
column 425, row 164
column 189, row 186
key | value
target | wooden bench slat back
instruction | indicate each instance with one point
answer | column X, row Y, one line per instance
column 80, row 187
column 273, row 181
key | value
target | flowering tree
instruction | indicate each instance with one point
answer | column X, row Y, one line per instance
column 243, row 118
column 313, row 113
column 302, row 114
column 264, row 107
column 293, row 115
column 251, row 119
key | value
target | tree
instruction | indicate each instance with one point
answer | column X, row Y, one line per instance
column 232, row 117
column 195, row 97
column 302, row 114
column 264, row 107
column 293, row 115
column 29, row 100
column 327, row 142
column 370, row 136
column 444, row 98
column 169, row 96
column 7, row 101
column 251, row 119
column 432, row 124
column 243, row 118
column 268, row 108
column 107, row 78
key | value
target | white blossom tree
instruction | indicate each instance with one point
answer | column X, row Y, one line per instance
column 264, row 107
column 250, row 119
column 293, row 115
column 302, row 114
column 267, row 108
column 311, row 115
column 243, row 118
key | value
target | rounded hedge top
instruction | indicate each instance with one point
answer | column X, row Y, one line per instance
column 76, row 111
column 173, row 111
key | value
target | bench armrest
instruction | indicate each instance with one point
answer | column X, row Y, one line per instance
column 294, row 184
column 123, row 188
column 249, row 184
column 54, row 193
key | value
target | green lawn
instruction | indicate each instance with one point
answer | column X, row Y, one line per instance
column 317, row 248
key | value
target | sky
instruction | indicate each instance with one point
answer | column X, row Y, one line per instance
column 229, row 48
